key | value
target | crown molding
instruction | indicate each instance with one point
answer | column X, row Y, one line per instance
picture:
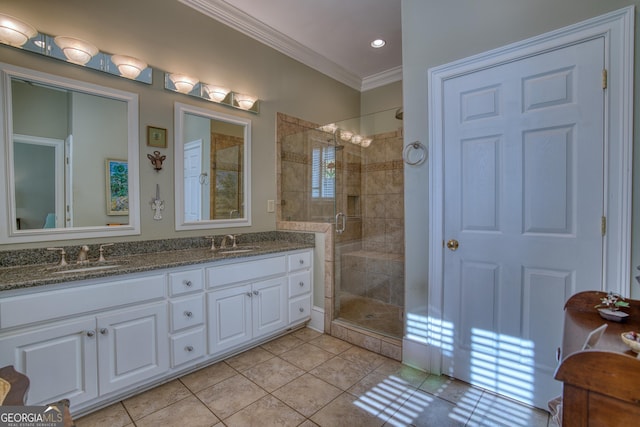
column 223, row 12
column 383, row 78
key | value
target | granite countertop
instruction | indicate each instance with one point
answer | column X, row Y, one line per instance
column 27, row 276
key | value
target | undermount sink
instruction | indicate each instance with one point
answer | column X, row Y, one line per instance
column 80, row 268
column 238, row 249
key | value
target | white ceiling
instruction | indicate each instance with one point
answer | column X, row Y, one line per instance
column 331, row 36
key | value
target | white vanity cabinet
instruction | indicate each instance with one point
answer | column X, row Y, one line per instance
column 91, row 354
column 187, row 316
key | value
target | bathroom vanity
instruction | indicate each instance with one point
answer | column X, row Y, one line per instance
column 117, row 331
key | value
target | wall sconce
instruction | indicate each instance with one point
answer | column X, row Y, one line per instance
column 15, row 32
column 216, row 93
column 183, row 83
column 77, row 51
column 156, row 160
column 128, row 66
column 244, row 101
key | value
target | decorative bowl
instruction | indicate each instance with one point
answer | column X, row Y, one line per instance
column 632, row 340
column 613, row 315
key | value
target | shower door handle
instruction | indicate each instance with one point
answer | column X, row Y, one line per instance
column 341, row 225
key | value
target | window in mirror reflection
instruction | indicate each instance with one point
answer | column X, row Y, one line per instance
column 212, row 148
column 61, row 139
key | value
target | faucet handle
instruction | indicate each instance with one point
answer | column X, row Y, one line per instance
column 213, row 242
column 101, row 250
column 63, row 260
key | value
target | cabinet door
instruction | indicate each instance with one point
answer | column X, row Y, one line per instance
column 269, row 306
column 133, row 346
column 59, row 360
column 229, row 317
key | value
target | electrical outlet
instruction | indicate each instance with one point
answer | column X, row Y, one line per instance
column 271, row 206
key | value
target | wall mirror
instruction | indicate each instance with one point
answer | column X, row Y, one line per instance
column 70, row 166
column 212, row 176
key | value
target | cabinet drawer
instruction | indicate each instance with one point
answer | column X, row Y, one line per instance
column 48, row 305
column 187, row 347
column 245, row 271
column 186, row 312
column 299, row 309
column 299, row 283
column 299, row 261
column 183, row 282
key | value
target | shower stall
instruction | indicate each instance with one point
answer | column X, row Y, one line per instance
column 350, row 173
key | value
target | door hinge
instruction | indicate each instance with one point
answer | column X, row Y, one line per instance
column 603, row 225
column 604, row 78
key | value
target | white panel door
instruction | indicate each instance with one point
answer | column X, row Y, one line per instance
column 270, row 306
column 229, row 313
column 60, row 361
column 133, row 346
column 192, row 184
column 523, row 191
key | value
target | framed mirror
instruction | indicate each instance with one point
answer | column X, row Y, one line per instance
column 70, row 167
column 213, row 172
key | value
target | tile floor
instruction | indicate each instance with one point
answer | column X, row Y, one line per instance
column 309, row 379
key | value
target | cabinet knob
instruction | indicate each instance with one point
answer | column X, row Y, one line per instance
column 249, row 294
column 256, row 292
column 188, row 348
column 301, row 284
column 187, row 283
column 104, row 331
column 301, row 261
column 188, row 313
column 90, row 334
column 301, row 310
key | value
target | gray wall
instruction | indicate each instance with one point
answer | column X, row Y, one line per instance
column 171, row 36
column 437, row 32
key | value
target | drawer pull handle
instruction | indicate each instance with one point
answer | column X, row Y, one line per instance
column 90, row 334
column 301, row 310
column 104, row 331
column 256, row 292
column 187, row 283
column 189, row 348
column 301, row 261
column 301, row 284
column 188, row 313
column 249, row 294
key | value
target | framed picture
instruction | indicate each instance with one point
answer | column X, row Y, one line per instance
column 117, row 179
column 156, row 137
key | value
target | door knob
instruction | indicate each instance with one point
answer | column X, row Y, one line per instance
column 452, row 244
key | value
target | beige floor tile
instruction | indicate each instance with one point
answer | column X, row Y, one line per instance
column 308, row 423
column 111, row 416
column 230, row 395
column 346, row 410
column 339, row 372
column 450, row 389
column 273, row 373
column 382, row 388
column 411, row 376
column 306, row 334
column 155, row 399
column 208, row 376
column 364, row 358
column 282, row 344
column 187, row 412
column 425, row 410
column 249, row 359
column 331, row 344
column 307, row 394
column 306, row 356
column 500, row 411
column 266, row 412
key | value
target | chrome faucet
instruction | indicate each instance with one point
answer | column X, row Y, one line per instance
column 63, row 260
column 233, row 241
column 83, row 257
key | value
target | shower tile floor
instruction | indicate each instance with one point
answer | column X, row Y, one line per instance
column 371, row 314
column 310, row 379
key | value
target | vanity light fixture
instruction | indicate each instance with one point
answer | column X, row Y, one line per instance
column 183, row 83
column 77, row 51
column 128, row 66
column 378, row 43
column 15, row 32
column 216, row 93
column 244, row 101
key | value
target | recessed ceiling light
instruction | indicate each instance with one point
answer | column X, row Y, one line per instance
column 378, row 43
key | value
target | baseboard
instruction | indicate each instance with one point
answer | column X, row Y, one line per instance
column 317, row 319
column 416, row 355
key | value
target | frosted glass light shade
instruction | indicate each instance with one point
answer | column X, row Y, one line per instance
column 244, row 101
column 15, row 32
column 356, row 139
column 216, row 93
column 128, row 66
column 183, row 84
column 345, row 135
column 366, row 142
column 77, row 51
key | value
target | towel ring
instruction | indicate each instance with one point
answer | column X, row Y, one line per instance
column 416, row 145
